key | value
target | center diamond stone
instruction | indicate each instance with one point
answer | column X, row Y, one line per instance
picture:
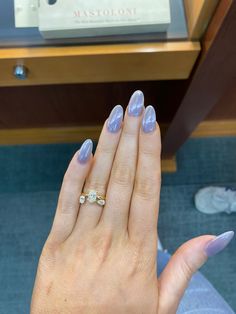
column 92, row 196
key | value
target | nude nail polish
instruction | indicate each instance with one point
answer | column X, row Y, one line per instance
column 85, row 151
column 136, row 104
column 115, row 119
column 219, row 243
column 149, row 120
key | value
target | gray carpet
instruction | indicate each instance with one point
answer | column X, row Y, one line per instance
column 30, row 180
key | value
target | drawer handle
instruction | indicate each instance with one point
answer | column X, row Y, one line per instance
column 20, row 72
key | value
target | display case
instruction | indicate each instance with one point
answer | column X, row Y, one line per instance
column 26, row 10
column 27, row 59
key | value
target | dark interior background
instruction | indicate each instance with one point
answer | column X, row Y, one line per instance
column 89, row 104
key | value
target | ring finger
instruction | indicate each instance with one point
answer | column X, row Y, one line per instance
column 98, row 177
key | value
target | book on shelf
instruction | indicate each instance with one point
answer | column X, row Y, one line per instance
column 79, row 18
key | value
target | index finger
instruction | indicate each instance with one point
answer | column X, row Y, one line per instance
column 145, row 199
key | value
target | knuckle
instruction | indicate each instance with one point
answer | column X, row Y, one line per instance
column 105, row 149
column 138, row 261
column 129, row 132
column 146, row 187
column 80, row 249
column 149, row 151
column 66, row 206
column 95, row 184
column 187, row 269
column 122, row 174
column 49, row 254
column 101, row 243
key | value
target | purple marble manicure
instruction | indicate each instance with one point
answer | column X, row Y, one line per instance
column 85, row 151
column 219, row 243
column 115, row 119
column 149, row 120
column 136, row 104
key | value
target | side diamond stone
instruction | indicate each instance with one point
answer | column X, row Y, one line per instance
column 82, row 199
column 92, row 196
column 101, row 202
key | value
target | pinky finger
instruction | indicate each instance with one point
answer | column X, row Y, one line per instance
column 68, row 203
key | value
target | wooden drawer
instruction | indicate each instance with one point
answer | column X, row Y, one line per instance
column 99, row 63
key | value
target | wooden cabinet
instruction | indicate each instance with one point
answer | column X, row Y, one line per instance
column 99, row 63
column 111, row 62
column 193, row 63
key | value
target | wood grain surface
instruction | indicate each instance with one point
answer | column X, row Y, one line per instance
column 198, row 14
column 99, row 63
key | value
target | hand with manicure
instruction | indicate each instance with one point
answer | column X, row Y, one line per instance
column 102, row 259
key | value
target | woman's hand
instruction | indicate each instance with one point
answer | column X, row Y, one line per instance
column 103, row 259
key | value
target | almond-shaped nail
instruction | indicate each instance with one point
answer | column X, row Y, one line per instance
column 219, row 243
column 85, row 151
column 136, row 104
column 115, row 119
column 149, row 120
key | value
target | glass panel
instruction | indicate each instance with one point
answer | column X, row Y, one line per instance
column 12, row 37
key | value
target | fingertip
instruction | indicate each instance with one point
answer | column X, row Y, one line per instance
column 136, row 104
column 85, row 152
column 115, row 119
column 149, row 120
column 218, row 243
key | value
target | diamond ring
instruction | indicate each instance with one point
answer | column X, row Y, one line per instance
column 93, row 197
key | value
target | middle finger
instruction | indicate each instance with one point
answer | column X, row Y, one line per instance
column 120, row 187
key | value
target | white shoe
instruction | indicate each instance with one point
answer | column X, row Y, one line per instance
column 213, row 200
column 160, row 247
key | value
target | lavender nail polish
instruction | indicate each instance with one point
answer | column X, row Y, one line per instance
column 149, row 120
column 85, row 151
column 115, row 119
column 219, row 243
column 136, row 104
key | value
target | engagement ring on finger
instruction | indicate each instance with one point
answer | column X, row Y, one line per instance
column 93, row 197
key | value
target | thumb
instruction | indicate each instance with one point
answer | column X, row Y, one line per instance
column 183, row 264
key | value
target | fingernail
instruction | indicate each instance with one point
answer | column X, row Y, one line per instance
column 219, row 243
column 136, row 104
column 149, row 120
column 115, row 119
column 85, row 151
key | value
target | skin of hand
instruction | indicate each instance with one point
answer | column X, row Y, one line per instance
column 103, row 259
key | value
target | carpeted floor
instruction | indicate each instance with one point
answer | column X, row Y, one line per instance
column 30, row 180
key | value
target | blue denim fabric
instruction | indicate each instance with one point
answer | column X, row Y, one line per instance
column 200, row 297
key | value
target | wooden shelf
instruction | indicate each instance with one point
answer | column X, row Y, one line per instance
column 62, row 135
column 99, row 63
